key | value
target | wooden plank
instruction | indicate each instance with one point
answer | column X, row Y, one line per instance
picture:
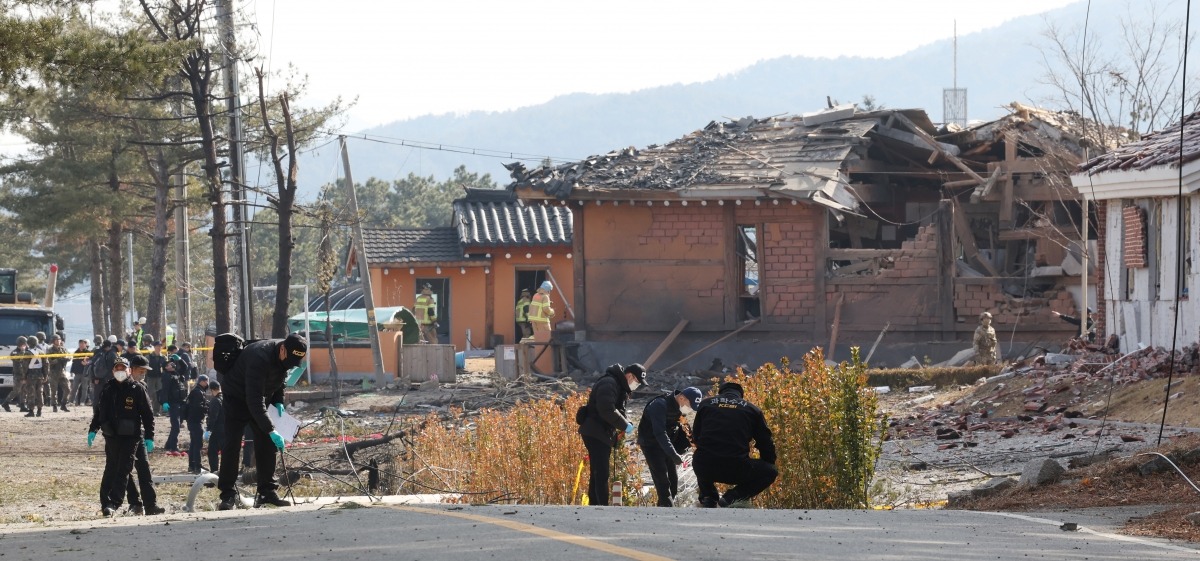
column 962, row 230
column 662, row 347
column 840, row 253
column 946, row 270
column 714, row 343
column 877, row 340
column 986, row 188
column 837, row 321
column 881, row 281
column 938, row 147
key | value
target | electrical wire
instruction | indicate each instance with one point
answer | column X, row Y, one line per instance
column 457, row 149
column 1187, row 20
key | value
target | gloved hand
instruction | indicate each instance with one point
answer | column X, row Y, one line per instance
column 279, row 408
column 207, row 434
column 629, row 428
column 166, row 408
column 91, row 438
column 678, row 460
column 149, row 445
column 277, row 439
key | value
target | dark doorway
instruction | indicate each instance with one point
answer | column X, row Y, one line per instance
column 441, row 295
column 531, row 279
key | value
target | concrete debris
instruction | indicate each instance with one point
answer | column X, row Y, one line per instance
column 1156, row 465
column 912, row 363
column 1040, row 472
column 990, row 487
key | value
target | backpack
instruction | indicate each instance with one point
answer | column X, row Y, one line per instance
column 225, row 351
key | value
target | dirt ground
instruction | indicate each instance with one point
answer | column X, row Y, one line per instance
column 51, row 475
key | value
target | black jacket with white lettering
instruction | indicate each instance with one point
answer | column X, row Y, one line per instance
column 726, row 424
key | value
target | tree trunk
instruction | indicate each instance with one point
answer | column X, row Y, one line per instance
column 156, row 306
column 333, row 367
column 114, row 299
column 99, row 321
column 198, row 73
column 285, row 186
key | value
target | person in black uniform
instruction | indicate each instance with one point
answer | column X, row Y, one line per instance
column 138, row 368
column 723, row 429
column 255, row 382
column 215, row 435
column 605, row 423
column 123, row 414
column 661, row 438
column 197, row 409
column 174, row 399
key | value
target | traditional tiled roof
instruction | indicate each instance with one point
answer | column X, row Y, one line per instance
column 1155, row 149
column 412, row 245
column 490, row 218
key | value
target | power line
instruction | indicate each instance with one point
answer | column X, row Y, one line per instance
column 441, row 147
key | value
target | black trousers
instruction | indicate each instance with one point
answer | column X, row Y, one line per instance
column 599, row 456
column 216, row 443
column 119, row 458
column 749, row 477
column 237, row 420
column 663, row 472
column 195, row 445
column 145, row 481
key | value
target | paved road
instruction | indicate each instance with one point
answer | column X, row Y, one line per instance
column 447, row 533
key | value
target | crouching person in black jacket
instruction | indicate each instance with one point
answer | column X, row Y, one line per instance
column 122, row 413
column 255, row 382
column 724, row 427
column 662, row 439
column 605, row 423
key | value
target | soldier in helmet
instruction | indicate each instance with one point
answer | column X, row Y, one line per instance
column 20, row 371
column 35, row 378
column 985, row 341
column 57, row 373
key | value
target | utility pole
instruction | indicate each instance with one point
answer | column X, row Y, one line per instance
column 364, row 272
column 132, row 306
column 237, row 163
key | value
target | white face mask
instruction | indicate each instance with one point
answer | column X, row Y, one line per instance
column 685, row 409
column 120, row 375
column 634, row 385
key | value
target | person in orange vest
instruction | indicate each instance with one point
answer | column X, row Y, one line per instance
column 523, row 314
column 540, row 311
column 426, row 313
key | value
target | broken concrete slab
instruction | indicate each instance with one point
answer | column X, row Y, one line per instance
column 960, row 358
column 911, row 363
column 1040, row 472
column 1058, row 358
column 1158, row 465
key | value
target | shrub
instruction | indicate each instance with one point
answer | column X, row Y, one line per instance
column 529, row 454
column 826, row 428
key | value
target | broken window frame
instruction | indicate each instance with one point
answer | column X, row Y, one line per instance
column 749, row 255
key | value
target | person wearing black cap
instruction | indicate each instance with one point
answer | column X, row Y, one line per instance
column 1091, row 324
column 604, row 421
column 215, row 433
column 122, row 413
column 138, row 368
column 724, row 427
column 197, row 409
column 255, row 382
column 174, row 399
column 662, row 439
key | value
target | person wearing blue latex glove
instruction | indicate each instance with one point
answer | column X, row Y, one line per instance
column 602, row 419
column 166, row 408
column 91, row 438
column 124, row 416
column 149, row 445
column 252, row 383
column 207, row 435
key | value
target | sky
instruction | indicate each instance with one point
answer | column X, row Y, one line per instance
column 403, row 59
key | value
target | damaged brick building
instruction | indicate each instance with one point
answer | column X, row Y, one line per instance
column 823, row 229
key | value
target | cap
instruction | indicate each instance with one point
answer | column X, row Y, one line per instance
column 214, row 385
column 296, row 346
column 202, row 378
column 112, row 338
column 546, row 286
column 731, row 386
column 693, row 395
column 638, row 372
column 98, row 339
column 158, row 343
column 119, row 343
column 1090, row 310
column 174, row 358
column 139, row 361
column 121, row 360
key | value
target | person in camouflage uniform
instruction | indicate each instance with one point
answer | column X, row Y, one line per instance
column 35, row 379
column 20, row 368
column 60, row 387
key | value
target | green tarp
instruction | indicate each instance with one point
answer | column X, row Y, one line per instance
column 349, row 325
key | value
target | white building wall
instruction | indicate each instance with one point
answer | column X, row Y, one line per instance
column 1149, row 315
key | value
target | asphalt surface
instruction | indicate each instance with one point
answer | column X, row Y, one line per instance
column 444, row 532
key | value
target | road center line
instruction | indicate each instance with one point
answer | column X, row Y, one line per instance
column 543, row 532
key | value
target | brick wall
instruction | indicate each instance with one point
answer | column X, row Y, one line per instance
column 1134, row 244
column 973, row 299
column 920, row 259
column 695, row 224
column 787, row 262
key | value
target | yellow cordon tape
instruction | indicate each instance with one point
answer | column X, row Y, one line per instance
column 84, row 355
column 580, row 541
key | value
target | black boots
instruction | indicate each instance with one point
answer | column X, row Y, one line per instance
column 228, row 504
column 270, row 499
